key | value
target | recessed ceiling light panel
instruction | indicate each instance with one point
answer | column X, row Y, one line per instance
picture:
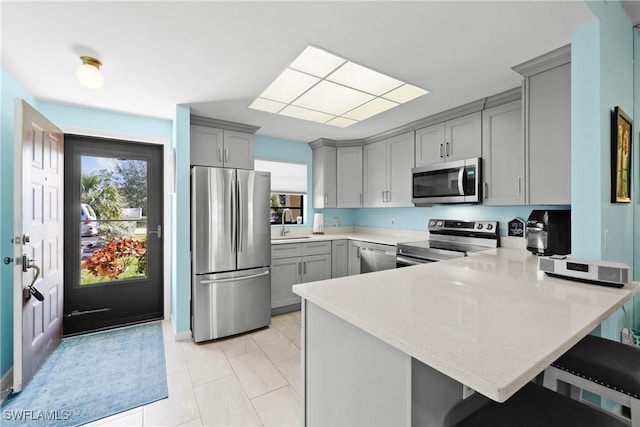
column 326, row 88
column 332, row 98
column 288, row 86
column 405, row 93
column 316, row 62
column 364, row 79
column 371, row 108
column 267, row 105
column 306, row 114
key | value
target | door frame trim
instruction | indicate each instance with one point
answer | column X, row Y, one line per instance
column 168, row 172
column 17, row 247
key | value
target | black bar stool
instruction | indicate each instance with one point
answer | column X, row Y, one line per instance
column 532, row 406
column 607, row 368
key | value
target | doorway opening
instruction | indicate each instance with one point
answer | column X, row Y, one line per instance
column 113, row 233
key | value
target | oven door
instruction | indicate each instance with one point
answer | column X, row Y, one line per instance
column 404, row 261
column 452, row 182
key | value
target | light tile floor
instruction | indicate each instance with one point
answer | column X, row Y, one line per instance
column 249, row 380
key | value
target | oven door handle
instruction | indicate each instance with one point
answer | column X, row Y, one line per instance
column 407, row 261
column 460, row 181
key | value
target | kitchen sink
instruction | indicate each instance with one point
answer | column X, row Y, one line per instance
column 289, row 237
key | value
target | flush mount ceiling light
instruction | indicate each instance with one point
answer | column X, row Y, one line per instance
column 89, row 74
column 325, row 88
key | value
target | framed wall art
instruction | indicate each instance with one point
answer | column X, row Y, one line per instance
column 621, row 142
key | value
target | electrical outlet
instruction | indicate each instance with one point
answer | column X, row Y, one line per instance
column 393, row 221
column 625, row 336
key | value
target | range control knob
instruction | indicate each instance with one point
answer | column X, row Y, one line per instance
column 479, row 226
column 489, row 226
column 439, row 224
column 432, row 223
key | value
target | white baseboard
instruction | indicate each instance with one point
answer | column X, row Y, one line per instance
column 179, row 336
column 182, row 336
column 6, row 384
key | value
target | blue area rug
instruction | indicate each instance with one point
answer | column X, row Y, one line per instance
column 93, row 376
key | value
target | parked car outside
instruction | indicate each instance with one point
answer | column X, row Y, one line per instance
column 88, row 224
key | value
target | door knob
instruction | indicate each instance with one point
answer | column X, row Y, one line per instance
column 30, row 290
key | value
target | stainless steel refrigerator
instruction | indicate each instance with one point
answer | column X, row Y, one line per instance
column 230, row 251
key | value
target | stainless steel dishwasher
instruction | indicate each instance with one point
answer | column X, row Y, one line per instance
column 376, row 257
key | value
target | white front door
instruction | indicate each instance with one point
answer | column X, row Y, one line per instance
column 38, row 241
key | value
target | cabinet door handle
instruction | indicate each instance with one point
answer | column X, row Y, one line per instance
column 304, row 268
column 358, row 252
column 219, row 154
column 388, row 196
column 486, row 190
column 299, row 268
column 441, row 150
column 360, row 198
column 447, row 151
column 383, row 200
column 519, row 185
column 326, row 199
column 226, row 154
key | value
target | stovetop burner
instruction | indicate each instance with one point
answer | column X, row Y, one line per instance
column 452, row 239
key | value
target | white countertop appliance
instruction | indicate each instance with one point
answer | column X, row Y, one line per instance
column 449, row 239
column 549, row 232
column 614, row 274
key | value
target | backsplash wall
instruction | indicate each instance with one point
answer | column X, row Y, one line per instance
column 413, row 218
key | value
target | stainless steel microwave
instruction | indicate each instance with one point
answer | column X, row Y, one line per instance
column 451, row 182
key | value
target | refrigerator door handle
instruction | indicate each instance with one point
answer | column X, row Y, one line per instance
column 234, row 279
column 234, row 216
column 240, row 217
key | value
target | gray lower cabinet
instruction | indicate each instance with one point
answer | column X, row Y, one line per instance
column 294, row 263
column 353, row 260
column 339, row 258
column 285, row 273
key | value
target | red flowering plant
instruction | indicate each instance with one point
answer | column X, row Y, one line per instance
column 116, row 257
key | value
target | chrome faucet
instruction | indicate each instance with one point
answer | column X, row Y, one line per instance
column 285, row 230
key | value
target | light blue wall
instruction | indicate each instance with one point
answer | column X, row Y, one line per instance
column 90, row 119
column 416, row 218
column 181, row 256
column 602, row 78
column 10, row 89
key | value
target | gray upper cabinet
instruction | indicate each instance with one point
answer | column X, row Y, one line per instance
column 206, row 146
column 238, row 150
column 387, row 171
column 548, row 127
column 221, row 148
column 349, row 183
column 324, row 172
column 456, row 139
column 503, row 155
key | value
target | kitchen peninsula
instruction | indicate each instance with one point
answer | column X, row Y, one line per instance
column 401, row 347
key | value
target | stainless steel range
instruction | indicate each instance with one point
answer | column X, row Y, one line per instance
column 449, row 239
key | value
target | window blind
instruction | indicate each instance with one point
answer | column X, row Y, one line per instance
column 286, row 177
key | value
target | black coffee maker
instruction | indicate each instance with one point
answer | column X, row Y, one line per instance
column 549, row 232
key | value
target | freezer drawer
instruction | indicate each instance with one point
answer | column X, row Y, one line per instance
column 230, row 303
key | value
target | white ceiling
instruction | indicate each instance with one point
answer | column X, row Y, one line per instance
column 217, row 57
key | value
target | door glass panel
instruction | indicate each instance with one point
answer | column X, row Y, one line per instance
column 113, row 222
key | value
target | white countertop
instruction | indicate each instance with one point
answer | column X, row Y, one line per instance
column 491, row 321
column 366, row 236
